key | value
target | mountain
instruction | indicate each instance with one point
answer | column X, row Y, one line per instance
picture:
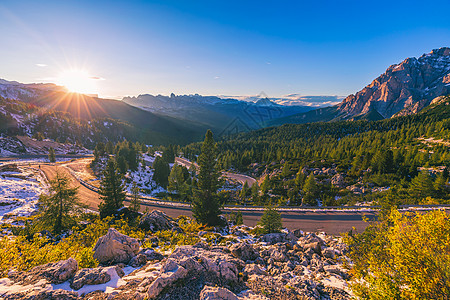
column 215, row 112
column 404, row 88
column 145, row 126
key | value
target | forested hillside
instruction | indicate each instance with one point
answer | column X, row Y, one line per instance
column 20, row 118
column 344, row 162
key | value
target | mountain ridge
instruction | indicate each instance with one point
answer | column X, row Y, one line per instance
column 404, row 88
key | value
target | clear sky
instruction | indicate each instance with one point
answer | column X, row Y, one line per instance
column 217, row 47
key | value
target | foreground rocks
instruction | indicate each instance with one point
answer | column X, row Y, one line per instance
column 276, row 266
column 156, row 221
column 115, row 247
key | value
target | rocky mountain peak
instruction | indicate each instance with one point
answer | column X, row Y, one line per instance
column 409, row 85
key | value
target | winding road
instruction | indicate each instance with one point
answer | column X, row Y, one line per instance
column 233, row 176
column 332, row 222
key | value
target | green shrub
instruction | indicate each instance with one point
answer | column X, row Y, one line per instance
column 403, row 256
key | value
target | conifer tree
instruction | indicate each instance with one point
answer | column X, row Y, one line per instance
column 310, row 190
column 51, row 155
column 112, row 190
column 161, row 172
column 178, row 181
column 265, row 186
column 244, row 191
column 205, row 205
column 422, row 185
column 135, row 204
column 59, row 210
column 271, row 220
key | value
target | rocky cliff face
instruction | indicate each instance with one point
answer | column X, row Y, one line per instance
column 404, row 88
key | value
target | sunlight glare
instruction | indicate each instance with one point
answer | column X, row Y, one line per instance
column 78, row 81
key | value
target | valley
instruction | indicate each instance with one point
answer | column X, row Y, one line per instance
column 199, row 197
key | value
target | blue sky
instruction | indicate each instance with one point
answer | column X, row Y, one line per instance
column 217, row 47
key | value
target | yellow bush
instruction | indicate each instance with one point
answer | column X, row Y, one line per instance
column 404, row 256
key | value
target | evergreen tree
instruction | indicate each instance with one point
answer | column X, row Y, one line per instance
column 265, row 186
column 161, row 172
column 244, row 191
column 440, row 186
column 135, row 204
column 205, row 205
column 112, row 190
column 255, row 192
column 271, row 220
column 122, row 164
column 178, row 181
column 169, row 154
column 422, row 185
column 99, row 150
column 51, row 155
column 59, row 210
column 239, row 218
column 310, row 191
column 109, row 147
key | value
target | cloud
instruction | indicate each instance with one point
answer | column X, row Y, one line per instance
column 217, row 77
column 96, row 78
column 41, row 65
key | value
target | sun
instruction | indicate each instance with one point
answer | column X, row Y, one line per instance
column 78, row 81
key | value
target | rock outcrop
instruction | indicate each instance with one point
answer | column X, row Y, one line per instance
column 115, row 247
column 409, row 86
column 52, row 272
column 217, row 293
column 90, row 276
column 156, row 221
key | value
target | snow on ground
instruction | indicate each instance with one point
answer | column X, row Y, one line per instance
column 143, row 177
column 19, row 192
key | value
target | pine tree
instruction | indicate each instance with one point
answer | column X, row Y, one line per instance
column 422, row 185
column 310, row 191
column 135, row 204
column 59, row 210
column 51, row 155
column 265, row 186
column 255, row 192
column 244, row 191
column 112, row 190
column 99, row 150
column 205, row 205
column 178, row 181
column 271, row 220
column 109, row 147
column 161, row 172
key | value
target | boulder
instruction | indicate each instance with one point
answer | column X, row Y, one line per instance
column 53, row 272
column 273, row 238
column 315, row 246
column 115, row 247
column 253, row 269
column 216, row 293
column 215, row 266
column 156, row 221
column 90, row 276
column 138, row 260
column 328, row 252
column 169, row 274
column 150, row 254
column 244, row 251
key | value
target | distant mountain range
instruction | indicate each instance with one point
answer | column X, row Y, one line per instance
column 137, row 123
column 160, row 119
column 404, row 88
column 219, row 113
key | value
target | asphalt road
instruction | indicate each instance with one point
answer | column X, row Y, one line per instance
column 233, row 176
column 329, row 222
